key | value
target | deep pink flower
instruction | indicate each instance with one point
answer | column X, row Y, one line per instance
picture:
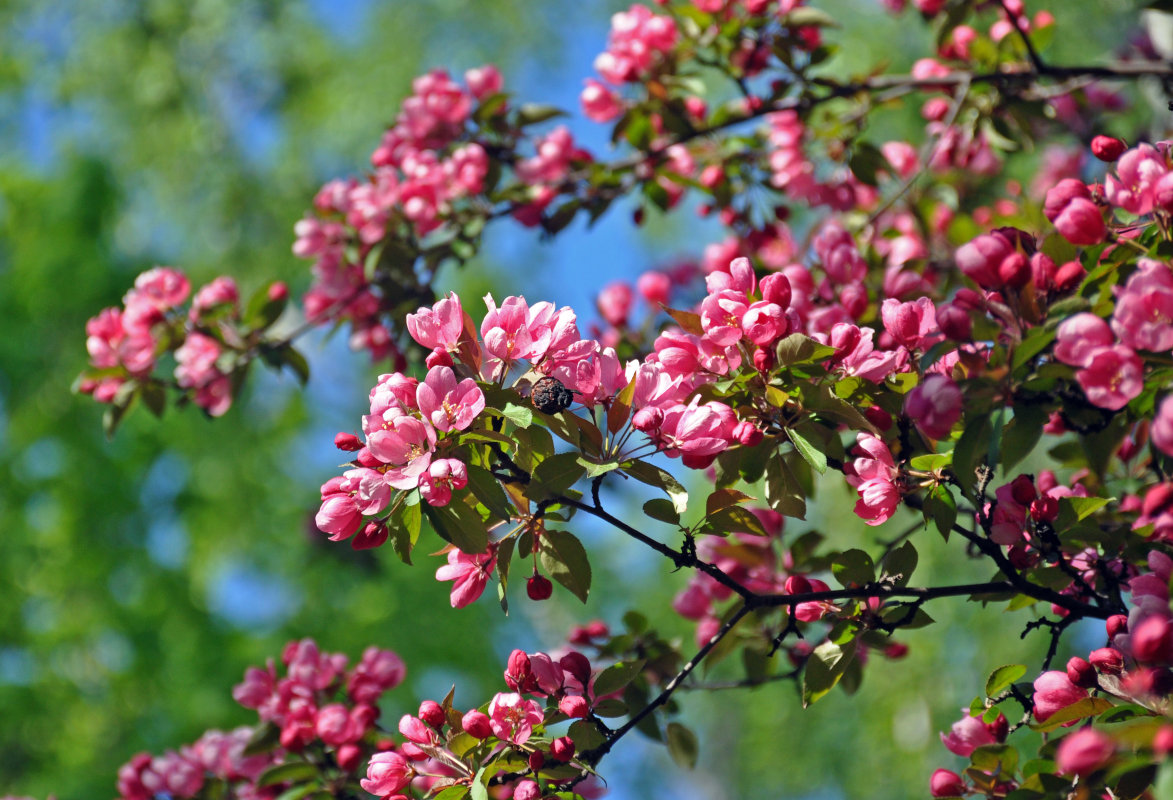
column 599, row 103
column 875, row 480
column 378, row 671
column 1054, row 691
column 484, row 81
column 470, row 573
column 440, row 326
column 614, row 303
column 1112, row 377
column 405, row 442
column 1143, row 318
column 1083, row 752
column 946, row 784
column 966, row 735
column 1070, row 209
column 1161, row 432
column 910, row 324
column 450, row 406
column 387, row 773
column 513, row 718
column 1137, row 173
column 934, row 405
column 765, row 323
column 1079, row 336
column 443, row 476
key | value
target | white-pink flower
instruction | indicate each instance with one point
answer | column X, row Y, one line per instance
column 513, row 718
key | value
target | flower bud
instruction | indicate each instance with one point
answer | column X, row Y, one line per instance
column 1107, row 660
column 1069, row 276
column 348, row 756
column 1152, row 641
column 538, row 587
column 999, row 728
column 763, row 359
column 954, row 322
column 1117, row 623
column 896, row 650
column 1015, row 270
column 278, row 292
column 775, row 288
column 1083, row 752
column 347, row 442
column 946, row 784
column 477, row 724
column 878, row 417
column 747, row 433
column 1022, row 489
column 562, row 749
column 797, row 584
column 438, row 358
column 1108, row 148
column 1163, row 740
column 536, row 760
column 367, row 459
column 577, row 665
column 1081, row 673
column 373, row 534
column 574, row 706
column 1044, row 509
column 527, row 790
column 432, row 713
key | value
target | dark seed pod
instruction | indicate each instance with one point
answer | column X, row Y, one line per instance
column 550, row 396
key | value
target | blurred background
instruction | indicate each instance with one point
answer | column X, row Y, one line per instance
column 139, row 577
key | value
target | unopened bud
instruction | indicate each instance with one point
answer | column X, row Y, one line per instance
column 476, row 724
column 562, row 748
column 1081, row 673
column 1044, row 509
column 347, row 442
column 432, row 713
column 372, row 535
column 538, row 587
column 1107, row 660
column 1108, row 148
column 797, row 584
column 1022, row 489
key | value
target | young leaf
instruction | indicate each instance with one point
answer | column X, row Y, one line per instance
column 1003, row 677
column 812, row 454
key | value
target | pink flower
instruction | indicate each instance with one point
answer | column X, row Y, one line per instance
column 378, row 671
column 764, row 323
column 946, row 784
column 875, row 480
column 966, row 735
column 442, row 477
column 910, row 324
column 721, row 316
column 450, row 406
column 196, row 369
column 220, row 292
column 654, row 287
column 599, row 103
column 387, row 773
column 162, row 287
column 1111, row 377
column 697, row 430
column 513, row 718
column 1083, row 752
column 1079, row 336
column 934, row 405
column 405, row 442
column 440, row 326
column 1070, row 208
column 1137, row 174
column 1161, row 431
column 470, row 573
column 484, row 81
column 1054, row 691
column 1143, row 318
column 614, row 303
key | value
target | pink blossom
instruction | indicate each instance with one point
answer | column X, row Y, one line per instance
column 484, row 81
column 450, row 406
column 1083, row 752
column 764, row 323
column 339, row 516
column 1054, row 691
column 697, row 430
column 654, row 287
column 1070, row 208
column 221, row 291
column 405, row 442
column 1143, row 318
column 1080, row 336
column 470, row 573
column 721, row 315
column 162, row 287
column 1111, row 377
column 599, row 103
column 387, row 773
column 910, row 324
column 874, row 479
column 934, row 405
column 440, row 326
column 946, row 783
column 443, row 476
column 196, row 369
column 614, row 303
column 1137, row 173
column 378, row 671
column 966, row 735
column 1161, row 432
column 513, row 718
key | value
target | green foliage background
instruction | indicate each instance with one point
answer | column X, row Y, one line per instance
column 195, row 133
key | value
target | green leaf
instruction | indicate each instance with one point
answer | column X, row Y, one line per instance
column 813, row 456
column 404, row 528
column 616, row 677
column 477, row 789
column 594, row 470
column 992, row 758
column 460, row 525
column 285, row 773
column 1163, row 787
column 941, row 507
column 554, row 476
column 520, row 416
column 783, row 491
column 682, row 744
column 533, row 113
column 970, row 449
column 931, row 461
column 1003, row 677
column 263, row 739
column 853, row 568
column 824, row 668
column 900, row 563
column 662, row 510
column 798, row 348
column 723, row 498
column 298, row 792
column 1076, row 509
column 488, row 491
column 585, row 735
column 687, row 320
column 736, row 520
column 652, row 475
column 805, row 16
column 866, row 161
column 1022, row 434
column 565, row 560
column 620, row 409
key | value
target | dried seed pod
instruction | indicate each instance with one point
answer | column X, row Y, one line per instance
column 550, row 396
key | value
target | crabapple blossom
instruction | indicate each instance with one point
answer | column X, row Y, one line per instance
column 1083, row 752
column 448, row 405
column 513, row 718
column 387, row 773
column 934, row 405
column 443, row 476
column 470, row 573
column 1053, row 691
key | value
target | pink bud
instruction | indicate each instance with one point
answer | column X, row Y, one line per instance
column 654, row 287
column 432, row 713
column 776, row 289
column 1163, row 740
column 1115, row 624
column 562, row 749
column 577, row 665
column 1083, row 752
column 477, row 724
column 373, row 534
column 797, row 584
column 946, row 784
column 1108, row 148
column 1081, row 673
column 1152, row 641
column 1044, row 509
column 348, row 442
column 538, row 587
column 527, row 790
column 1022, row 489
column 934, row 406
column 278, row 292
column 1069, row 276
column 1107, row 660
column 574, row 706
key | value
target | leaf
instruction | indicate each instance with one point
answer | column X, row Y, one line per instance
column 585, row 735
column 824, row 668
column 723, row 498
column 805, row 16
column 901, row 563
column 783, row 492
column 286, row 773
column 941, row 507
column 1003, row 677
column 866, row 160
column 652, row 475
column 460, row 525
column 565, row 560
column 1076, row 509
column 554, row 476
column 616, row 677
column 520, row 416
column 688, row 321
column 533, row 113
column 300, row 791
column 853, row 568
column 488, row 491
column 594, row 470
column 477, row 789
column 811, row 454
column 263, row 739
column 620, row 408
column 1022, row 434
column 404, row 527
column 798, row 348
column 970, row 449
column 994, row 758
column 736, row 520
column 662, row 510
column 682, row 745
